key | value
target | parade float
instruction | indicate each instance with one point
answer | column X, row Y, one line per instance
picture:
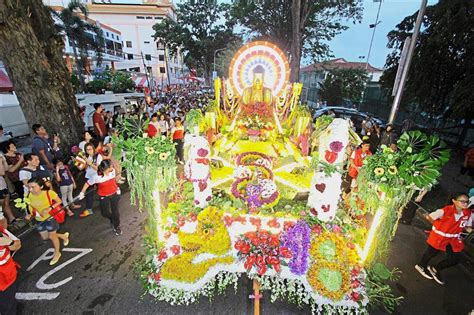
column 260, row 195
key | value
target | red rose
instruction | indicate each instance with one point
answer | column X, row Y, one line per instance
column 330, row 156
column 156, row 277
column 276, row 266
column 355, row 272
column 163, row 255
column 175, row 249
column 274, row 241
column 355, row 296
column 260, row 261
column 245, row 249
column 355, row 284
column 261, row 270
column 249, row 262
column 285, row 252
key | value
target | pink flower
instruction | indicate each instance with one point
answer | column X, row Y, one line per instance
column 175, row 249
column 336, row 146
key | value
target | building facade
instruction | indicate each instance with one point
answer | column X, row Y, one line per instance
column 135, row 20
column 313, row 75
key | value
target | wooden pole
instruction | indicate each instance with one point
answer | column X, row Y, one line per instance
column 256, row 295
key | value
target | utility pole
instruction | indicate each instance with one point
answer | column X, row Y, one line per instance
column 406, row 68
column 166, row 64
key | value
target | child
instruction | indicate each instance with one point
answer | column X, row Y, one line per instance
column 67, row 184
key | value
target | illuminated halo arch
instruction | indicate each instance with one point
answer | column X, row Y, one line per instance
column 265, row 54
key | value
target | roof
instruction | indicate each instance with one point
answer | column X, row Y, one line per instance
column 5, row 83
column 91, row 21
column 339, row 63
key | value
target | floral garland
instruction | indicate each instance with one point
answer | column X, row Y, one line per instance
column 297, row 239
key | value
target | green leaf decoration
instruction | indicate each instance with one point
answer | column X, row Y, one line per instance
column 381, row 271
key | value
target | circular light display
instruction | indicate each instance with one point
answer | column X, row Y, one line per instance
column 266, row 55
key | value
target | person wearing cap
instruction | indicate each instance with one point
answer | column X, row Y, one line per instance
column 445, row 236
column 356, row 160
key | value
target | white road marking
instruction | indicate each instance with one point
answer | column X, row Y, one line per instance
column 36, row 296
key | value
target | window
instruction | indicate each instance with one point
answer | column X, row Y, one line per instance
column 148, row 69
column 148, row 57
column 161, row 57
column 130, row 56
column 162, row 70
column 140, row 17
column 146, row 42
column 137, row 69
column 128, row 44
column 149, row 18
column 160, row 45
column 107, row 34
column 158, row 18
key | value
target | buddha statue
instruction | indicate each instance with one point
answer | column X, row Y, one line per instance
column 257, row 93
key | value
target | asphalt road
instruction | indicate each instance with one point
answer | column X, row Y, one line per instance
column 102, row 279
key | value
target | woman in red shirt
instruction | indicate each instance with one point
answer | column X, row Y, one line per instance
column 109, row 193
column 178, row 136
column 153, row 126
column 445, row 236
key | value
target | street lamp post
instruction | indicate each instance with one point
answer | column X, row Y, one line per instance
column 374, row 26
column 398, row 95
column 215, row 52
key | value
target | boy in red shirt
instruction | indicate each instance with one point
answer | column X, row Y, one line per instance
column 98, row 121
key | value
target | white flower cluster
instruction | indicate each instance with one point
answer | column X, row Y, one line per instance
column 268, row 187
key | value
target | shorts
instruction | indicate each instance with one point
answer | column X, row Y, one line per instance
column 4, row 193
column 48, row 225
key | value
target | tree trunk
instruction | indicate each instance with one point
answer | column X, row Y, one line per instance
column 33, row 57
column 295, row 49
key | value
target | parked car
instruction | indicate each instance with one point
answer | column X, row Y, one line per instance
column 349, row 113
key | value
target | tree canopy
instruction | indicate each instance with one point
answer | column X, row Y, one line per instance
column 442, row 69
column 343, row 85
column 298, row 27
column 202, row 27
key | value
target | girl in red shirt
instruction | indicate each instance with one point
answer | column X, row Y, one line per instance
column 178, row 136
column 109, row 193
column 445, row 236
column 153, row 126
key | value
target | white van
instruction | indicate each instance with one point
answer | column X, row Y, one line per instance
column 11, row 115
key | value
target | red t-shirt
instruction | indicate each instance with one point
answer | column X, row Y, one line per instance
column 99, row 120
column 106, row 185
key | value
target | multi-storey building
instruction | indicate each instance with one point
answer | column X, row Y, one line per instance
column 135, row 20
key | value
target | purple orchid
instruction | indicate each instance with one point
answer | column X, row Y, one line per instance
column 297, row 239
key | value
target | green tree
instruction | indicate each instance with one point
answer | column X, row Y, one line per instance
column 298, row 27
column 71, row 22
column 343, row 85
column 33, row 56
column 116, row 81
column 201, row 28
column 442, row 69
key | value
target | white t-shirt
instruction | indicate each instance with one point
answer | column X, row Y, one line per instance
column 81, row 145
column 90, row 172
column 96, row 179
column 26, row 175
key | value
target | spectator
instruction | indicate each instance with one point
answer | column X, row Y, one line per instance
column 388, row 137
column 42, row 200
column 15, row 162
column 356, row 160
column 93, row 160
column 109, row 120
column 468, row 164
column 445, row 236
column 4, row 193
column 374, row 138
column 98, row 120
column 177, row 134
column 164, row 126
column 43, row 147
column 67, row 184
column 109, row 194
column 87, row 138
column 153, row 126
column 33, row 169
column 3, row 136
column 8, row 273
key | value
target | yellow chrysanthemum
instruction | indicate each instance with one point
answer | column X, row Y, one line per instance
column 379, row 171
column 393, row 170
column 163, row 156
column 149, row 150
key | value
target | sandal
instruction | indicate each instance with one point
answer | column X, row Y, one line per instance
column 66, row 241
column 55, row 260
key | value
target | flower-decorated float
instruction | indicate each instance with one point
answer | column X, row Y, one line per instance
column 254, row 201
